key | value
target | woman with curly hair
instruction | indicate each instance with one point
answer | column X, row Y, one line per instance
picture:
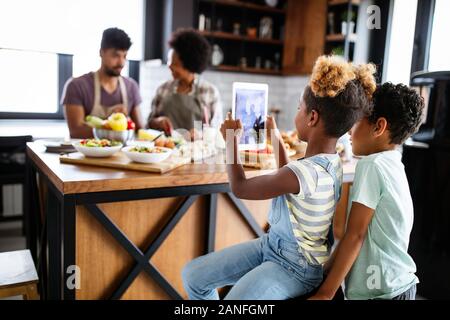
column 187, row 98
column 287, row 262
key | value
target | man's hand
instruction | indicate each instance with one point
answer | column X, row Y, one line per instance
column 230, row 124
column 120, row 108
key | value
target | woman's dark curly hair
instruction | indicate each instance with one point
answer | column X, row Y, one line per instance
column 192, row 48
column 402, row 108
column 340, row 92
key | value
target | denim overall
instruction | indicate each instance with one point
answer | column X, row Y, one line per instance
column 270, row 267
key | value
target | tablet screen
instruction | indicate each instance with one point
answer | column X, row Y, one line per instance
column 250, row 106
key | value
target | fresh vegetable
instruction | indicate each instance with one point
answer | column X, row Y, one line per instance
column 131, row 125
column 95, row 122
column 99, row 143
column 142, row 149
column 118, row 122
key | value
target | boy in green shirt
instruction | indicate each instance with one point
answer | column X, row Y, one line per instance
column 373, row 256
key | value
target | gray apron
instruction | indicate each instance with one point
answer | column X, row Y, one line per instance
column 101, row 111
column 184, row 109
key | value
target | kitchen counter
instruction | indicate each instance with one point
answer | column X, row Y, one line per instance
column 130, row 233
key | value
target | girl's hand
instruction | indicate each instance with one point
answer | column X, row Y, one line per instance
column 230, row 124
column 270, row 124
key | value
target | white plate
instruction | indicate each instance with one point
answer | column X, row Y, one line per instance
column 97, row 152
column 147, row 157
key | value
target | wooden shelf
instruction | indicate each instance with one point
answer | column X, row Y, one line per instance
column 250, row 6
column 246, row 70
column 340, row 37
column 341, row 2
column 231, row 36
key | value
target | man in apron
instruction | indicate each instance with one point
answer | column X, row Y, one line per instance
column 105, row 91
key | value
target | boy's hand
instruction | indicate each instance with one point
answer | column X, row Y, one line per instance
column 230, row 124
column 319, row 296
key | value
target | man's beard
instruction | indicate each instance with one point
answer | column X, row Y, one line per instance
column 112, row 72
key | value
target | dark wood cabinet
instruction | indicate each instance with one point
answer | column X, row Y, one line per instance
column 297, row 27
column 305, row 33
column 292, row 40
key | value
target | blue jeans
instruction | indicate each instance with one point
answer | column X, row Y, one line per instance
column 409, row 294
column 268, row 268
column 261, row 269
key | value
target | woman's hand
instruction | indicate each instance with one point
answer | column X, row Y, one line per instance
column 163, row 123
column 230, row 124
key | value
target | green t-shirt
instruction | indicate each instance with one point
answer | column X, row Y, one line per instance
column 383, row 269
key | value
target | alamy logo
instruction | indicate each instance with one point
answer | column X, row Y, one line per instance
column 374, row 17
column 74, row 280
column 374, row 280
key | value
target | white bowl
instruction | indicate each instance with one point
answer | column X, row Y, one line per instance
column 147, row 157
column 97, row 152
column 141, row 143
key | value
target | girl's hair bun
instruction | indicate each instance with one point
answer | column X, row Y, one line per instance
column 330, row 76
column 365, row 75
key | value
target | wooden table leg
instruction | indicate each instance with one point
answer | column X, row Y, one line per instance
column 31, row 292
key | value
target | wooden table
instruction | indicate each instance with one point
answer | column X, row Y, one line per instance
column 128, row 234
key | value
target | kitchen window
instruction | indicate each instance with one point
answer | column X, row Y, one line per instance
column 29, row 83
column 48, row 29
column 399, row 49
column 439, row 57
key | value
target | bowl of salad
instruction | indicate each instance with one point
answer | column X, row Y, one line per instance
column 146, row 154
column 98, row 148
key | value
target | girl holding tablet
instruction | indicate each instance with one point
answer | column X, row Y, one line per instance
column 287, row 262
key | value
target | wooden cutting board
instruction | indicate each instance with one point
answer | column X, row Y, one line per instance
column 121, row 161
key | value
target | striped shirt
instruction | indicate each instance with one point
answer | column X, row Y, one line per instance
column 311, row 211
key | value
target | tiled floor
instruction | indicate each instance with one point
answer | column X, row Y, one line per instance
column 11, row 239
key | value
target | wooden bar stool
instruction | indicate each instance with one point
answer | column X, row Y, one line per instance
column 18, row 275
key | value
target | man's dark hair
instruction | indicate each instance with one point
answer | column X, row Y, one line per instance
column 341, row 112
column 402, row 108
column 192, row 48
column 114, row 38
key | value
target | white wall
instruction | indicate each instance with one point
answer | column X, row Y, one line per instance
column 284, row 92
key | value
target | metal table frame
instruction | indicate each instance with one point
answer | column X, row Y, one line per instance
column 52, row 243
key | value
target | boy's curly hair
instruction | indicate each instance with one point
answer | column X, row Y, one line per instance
column 402, row 108
column 340, row 92
column 192, row 48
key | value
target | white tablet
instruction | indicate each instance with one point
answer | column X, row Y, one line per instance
column 250, row 102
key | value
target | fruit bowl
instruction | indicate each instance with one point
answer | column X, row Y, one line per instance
column 121, row 136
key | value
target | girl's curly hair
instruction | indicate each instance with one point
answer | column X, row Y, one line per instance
column 340, row 92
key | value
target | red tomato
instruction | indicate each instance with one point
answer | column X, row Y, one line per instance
column 131, row 125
